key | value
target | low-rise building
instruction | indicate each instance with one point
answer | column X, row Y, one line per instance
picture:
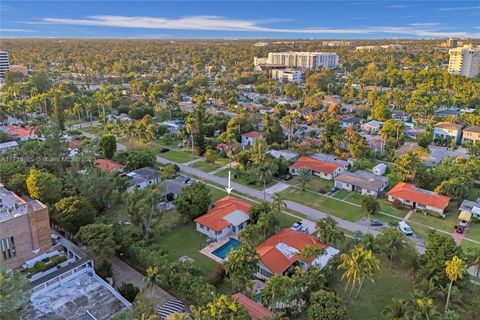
column 107, row 165
column 352, row 122
column 418, row 198
column 287, row 154
column 323, row 169
column 250, row 138
column 372, row 126
column 362, row 182
column 228, row 215
column 255, row 310
column 282, row 251
column 401, row 116
column 21, row 133
column 5, row 146
column 379, row 169
column 24, row 229
column 141, row 178
column 471, row 135
column 287, row 75
column 443, row 130
column 471, row 206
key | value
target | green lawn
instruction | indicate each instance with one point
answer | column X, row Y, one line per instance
column 328, row 205
column 94, row 130
column 209, row 167
column 177, row 156
column 239, row 178
column 316, row 184
column 184, row 240
column 389, row 283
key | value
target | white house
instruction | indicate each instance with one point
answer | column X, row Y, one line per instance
column 472, row 207
column 8, row 145
column 379, row 169
column 417, row 198
column 141, row 178
column 372, row 126
column 362, row 182
column 447, row 129
column 250, row 138
column 288, row 155
column 228, row 215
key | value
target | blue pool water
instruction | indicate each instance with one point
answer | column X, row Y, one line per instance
column 225, row 249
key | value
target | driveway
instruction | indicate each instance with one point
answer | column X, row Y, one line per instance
column 276, row 188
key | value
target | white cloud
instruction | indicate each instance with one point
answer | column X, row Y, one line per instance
column 217, row 23
column 459, row 8
column 15, row 30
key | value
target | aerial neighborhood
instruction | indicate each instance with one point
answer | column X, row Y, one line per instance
column 239, row 179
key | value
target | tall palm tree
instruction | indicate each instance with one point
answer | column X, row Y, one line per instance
column 427, row 289
column 396, row 310
column 455, row 270
column 392, row 243
column 304, row 175
column 278, row 201
column 424, row 309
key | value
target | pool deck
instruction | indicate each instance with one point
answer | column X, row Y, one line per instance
column 208, row 250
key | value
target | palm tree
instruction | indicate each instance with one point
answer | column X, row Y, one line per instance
column 359, row 265
column 392, row 243
column 455, row 270
column 311, row 251
column 427, row 289
column 288, row 121
column 370, row 205
column 304, row 175
column 424, row 309
column 278, row 201
column 396, row 310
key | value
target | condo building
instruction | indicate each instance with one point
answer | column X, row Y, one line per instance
column 4, row 64
column 24, row 229
column 465, row 61
column 304, row 60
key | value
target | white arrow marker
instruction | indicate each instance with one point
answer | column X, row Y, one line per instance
column 229, row 189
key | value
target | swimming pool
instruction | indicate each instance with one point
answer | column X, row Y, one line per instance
column 225, row 249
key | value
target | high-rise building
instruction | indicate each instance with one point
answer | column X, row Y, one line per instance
column 450, row 43
column 465, row 61
column 4, row 64
column 304, row 60
column 24, row 229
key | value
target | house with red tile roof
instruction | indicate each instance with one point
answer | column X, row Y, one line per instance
column 417, row 198
column 107, row 165
column 20, row 133
column 255, row 310
column 228, row 215
column 282, row 251
column 321, row 168
column 250, row 138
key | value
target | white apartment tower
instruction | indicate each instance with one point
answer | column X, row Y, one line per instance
column 465, row 61
column 4, row 64
column 304, row 60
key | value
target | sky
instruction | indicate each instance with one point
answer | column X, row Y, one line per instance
column 334, row 19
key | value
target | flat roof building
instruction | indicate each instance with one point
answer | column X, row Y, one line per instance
column 304, row 60
column 465, row 61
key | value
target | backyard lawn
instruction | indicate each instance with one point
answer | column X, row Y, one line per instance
column 239, row 178
column 389, row 283
column 177, row 156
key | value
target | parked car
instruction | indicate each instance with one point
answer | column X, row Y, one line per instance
column 334, row 189
column 405, row 228
column 163, row 150
column 288, row 176
column 375, row 223
column 459, row 229
column 297, row 226
column 180, row 145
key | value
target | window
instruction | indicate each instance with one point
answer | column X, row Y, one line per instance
column 8, row 248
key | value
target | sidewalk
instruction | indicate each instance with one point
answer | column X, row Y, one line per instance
column 228, row 165
column 123, row 273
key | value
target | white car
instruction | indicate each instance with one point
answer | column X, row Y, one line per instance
column 405, row 228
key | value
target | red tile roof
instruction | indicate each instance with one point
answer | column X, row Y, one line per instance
column 253, row 134
column 409, row 192
column 108, row 165
column 315, row 165
column 214, row 218
column 255, row 310
column 276, row 261
column 74, row 144
column 20, row 132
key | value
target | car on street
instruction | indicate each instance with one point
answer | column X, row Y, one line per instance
column 405, row 228
column 375, row 223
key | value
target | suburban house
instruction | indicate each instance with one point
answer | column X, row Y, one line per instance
column 250, row 138
column 401, row 116
column 352, row 122
column 362, row 182
column 288, row 155
column 141, row 178
column 255, row 310
column 471, row 206
column 447, row 129
column 417, row 198
column 443, row 113
column 471, row 134
column 379, row 169
column 372, row 126
column 324, row 169
column 21, row 133
column 173, row 187
column 107, row 165
column 282, row 251
column 228, row 215
column 8, row 145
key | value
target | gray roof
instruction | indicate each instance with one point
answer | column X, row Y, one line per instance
column 288, row 155
column 147, row 173
column 173, row 186
column 468, row 205
column 363, row 179
column 352, row 120
column 329, row 158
